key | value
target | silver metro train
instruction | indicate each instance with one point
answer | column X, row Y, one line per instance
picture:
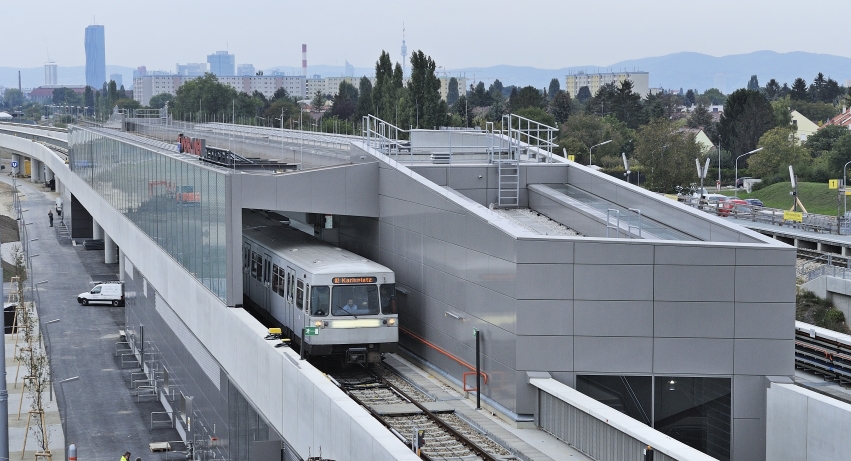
column 329, row 300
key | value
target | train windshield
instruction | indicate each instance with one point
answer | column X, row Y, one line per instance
column 354, row 300
column 388, row 298
column 320, row 298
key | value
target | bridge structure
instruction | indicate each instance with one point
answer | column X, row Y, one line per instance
column 580, row 285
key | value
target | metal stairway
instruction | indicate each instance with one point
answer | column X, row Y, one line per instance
column 508, row 193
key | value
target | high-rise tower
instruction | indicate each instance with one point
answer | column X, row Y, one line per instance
column 95, row 56
column 404, row 51
column 51, row 73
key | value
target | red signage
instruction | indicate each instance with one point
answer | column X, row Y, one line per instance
column 194, row 146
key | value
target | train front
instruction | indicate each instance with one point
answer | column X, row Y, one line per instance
column 353, row 316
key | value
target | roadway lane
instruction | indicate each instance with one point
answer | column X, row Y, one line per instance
column 103, row 418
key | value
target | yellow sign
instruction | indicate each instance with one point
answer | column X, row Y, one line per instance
column 833, row 184
column 847, row 191
column 672, row 196
column 571, row 157
column 793, row 216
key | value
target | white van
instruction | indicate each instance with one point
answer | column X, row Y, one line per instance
column 107, row 292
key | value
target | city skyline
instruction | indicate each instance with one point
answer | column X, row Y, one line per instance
column 482, row 35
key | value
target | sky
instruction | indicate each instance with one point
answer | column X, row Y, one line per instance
column 547, row 34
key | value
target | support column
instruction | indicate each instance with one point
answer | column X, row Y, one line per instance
column 109, row 250
column 97, row 231
column 16, row 171
column 48, row 176
column 120, row 265
column 34, row 167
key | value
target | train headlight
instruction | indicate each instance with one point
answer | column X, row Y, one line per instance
column 391, row 322
column 317, row 324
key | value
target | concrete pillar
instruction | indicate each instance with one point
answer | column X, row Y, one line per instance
column 34, row 167
column 48, row 174
column 16, row 171
column 109, row 250
column 97, row 231
column 120, row 265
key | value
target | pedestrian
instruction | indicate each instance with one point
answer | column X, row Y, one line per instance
column 50, row 217
column 126, row 456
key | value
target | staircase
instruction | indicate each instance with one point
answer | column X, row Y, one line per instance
column 508, row 194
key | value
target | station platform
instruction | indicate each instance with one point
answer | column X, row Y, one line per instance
column 800, row 238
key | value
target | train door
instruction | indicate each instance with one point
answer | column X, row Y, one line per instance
column 246, row 268
column 267, row 282
column 291, row 302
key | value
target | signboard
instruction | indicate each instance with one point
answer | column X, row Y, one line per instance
column 311, row 331
column 571, row 158
column 353, row 280
column 833, row 184
column 194, row 146
column 14, row 164
column 793, row 216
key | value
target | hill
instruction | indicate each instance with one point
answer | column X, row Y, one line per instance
column 815, row 196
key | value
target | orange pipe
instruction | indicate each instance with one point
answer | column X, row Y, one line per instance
column 443, row 351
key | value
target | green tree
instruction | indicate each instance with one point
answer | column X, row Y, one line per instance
column 452, row 91
column 13, row 97
column 122, row 93
column 690, row 98
column 318, row 101
column 424, row 90
column 112, row 93
column 712, row 97
column 584, row 94
column 782, row 116
column 700, row 117
column 781, row 148
column 479, row 97
column 553, row 89
column 89, row 97
column 130, row 104
column 345, row 102
column 666, row 155
column 280, row 93
column 561, row 106
column 817, row 88
column 281, row 111
column 772, row 89
column 814, row 110
column 463, row 110
column 799, row 90
column 747, row 116
column 582, row 131
column 204, row 95
column 496, row 89
column 822, row 141
column 664, row 105
column 537, row 114
column 753, row 83
column 528, row 96
column 66, row 96
column 159, row 101
column 840, row 152
column 364, row 106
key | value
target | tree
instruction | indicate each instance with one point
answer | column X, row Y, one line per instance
column 554, row 88
column 712, row 97
column 781, row 148
column 159, row 101
column 112, row 93
column 799, row 90
column 772, row 89
column 463, row 110
column 832, row 91
column 747, row 116
column 318, row 101
column 700, row 117
column 584, row 94
column 130, row 104
column 452, row 91
column 817, row 88
column 364, row 106
column 822, row 141
column 66, row 96
column 753, row 83
column 561, row 106
column 666, row 155
column 122, row 93
column 204, row 95
column 478, row 96
column 280, row 93
column 345, row 102
column 89, row 97
column 840, row 152
column 384, row 95
column 281, row 111
column 496, row 89
column 528, row 96
column 664, row 105
column 13, row 97
column 582, row 131
column 690, row 98
column 424, row 90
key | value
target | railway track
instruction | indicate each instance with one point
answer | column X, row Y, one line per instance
column 403, row 409
column 835, row 259
column 824, row 352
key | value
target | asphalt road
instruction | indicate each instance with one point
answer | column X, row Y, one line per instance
column 102, row 417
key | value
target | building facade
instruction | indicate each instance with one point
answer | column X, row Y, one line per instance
column 640, row 81
column 148, row 86
column 51, row 73
column 245, row 70
column 118, row 79
column 444, row 86
column 192, row 69
column 95, row 56
column 222, row 63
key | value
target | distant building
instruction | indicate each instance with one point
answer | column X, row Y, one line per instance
column 843, row 119
column 51, row 73
column 148, row 86
column 640, row 81
column 191, row 69
column 245, row 70
column 222, row 63
column 118, row 79
column 44, row 94
column 444, row 86
column 95, row 56
column 804, row 127
column 140, row 71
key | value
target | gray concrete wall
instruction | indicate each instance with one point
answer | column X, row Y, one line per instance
column 802, row 425
column 835, row 289
column 573, row 306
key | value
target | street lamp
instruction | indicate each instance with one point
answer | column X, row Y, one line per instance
column 595, row 145
column 65, row 419
column 736, row 183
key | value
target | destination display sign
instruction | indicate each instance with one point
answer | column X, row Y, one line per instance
column 353, row 280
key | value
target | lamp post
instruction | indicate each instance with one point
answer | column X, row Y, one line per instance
column 64, row 419
column 592, row 147
column 736, row 183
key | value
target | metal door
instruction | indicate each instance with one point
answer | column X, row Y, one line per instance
column 291, row 316
column 246, row 269
column 266, row 289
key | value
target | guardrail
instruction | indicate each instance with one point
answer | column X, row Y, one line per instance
column 810, row 222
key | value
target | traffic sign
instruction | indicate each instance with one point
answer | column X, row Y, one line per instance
column 833, row 184
column 14, row 164
column 571, row 158
column 311, row 331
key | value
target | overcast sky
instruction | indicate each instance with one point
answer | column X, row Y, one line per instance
column 546, row 34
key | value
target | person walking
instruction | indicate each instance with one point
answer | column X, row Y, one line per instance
column 50, row 217
column 126, row 456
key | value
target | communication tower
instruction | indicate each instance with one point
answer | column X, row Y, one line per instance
column 404, row 51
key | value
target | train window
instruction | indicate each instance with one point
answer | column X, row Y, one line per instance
column 320, row 299
column 266, row 271
column 291, row 285
column 387, row 292
column 354, row 300
column 275, row 271
column 299, row 294
column 281, row 285
column 256, row 266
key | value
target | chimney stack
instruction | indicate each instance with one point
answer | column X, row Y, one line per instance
column 304, row 60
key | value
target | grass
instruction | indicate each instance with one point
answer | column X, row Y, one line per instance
column 816, row 197
column 811, row 309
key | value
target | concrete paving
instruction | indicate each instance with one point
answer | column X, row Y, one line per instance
column 102, row 417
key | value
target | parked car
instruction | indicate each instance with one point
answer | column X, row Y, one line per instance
column 107, row 292
column 754, row 202
column 728, row 206
column 740, row 182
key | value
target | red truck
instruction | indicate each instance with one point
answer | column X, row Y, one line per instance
column 186, row 195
